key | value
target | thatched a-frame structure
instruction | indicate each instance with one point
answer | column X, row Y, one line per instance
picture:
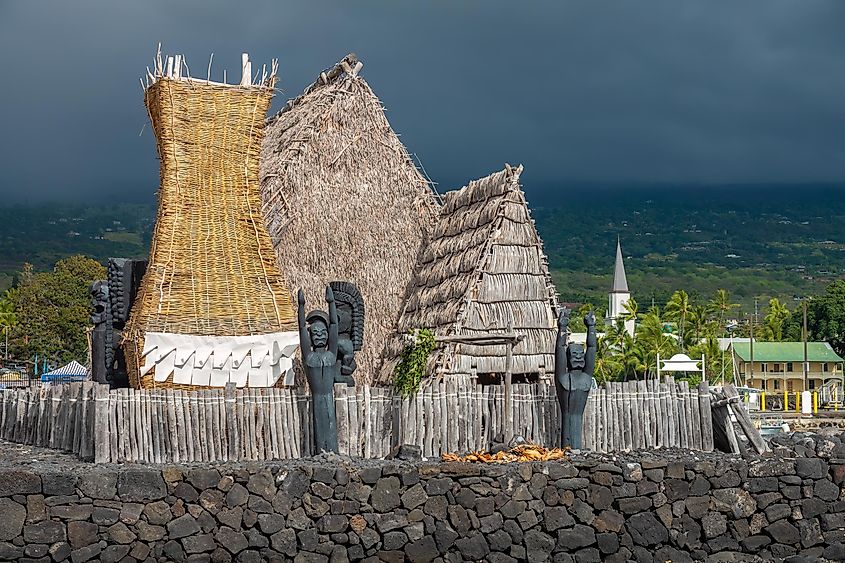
column 213, row 307
column 484, row 268
column 343, row 200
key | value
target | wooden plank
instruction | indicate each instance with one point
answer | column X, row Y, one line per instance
column 443, row 423
column 427, row 442
column 744, row 420
column 354, row 422
column 452, row 419
column 131, row 435
column 372, row 446
column 200, row 444
column 706, row 417
column 297, row 424
column 685, row 417
column 288, row 435
column 695, row 416
column 210, row 423
column 102, row 435
column 646, row 414
column 672, row 404
column 232, row 438
column 368, row 436
column 272, row 437
column 341, row 402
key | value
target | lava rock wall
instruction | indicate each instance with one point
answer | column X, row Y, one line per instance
column 677, row 506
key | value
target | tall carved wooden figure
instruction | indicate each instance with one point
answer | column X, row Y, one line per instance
column 574, row 366
column 318, row 337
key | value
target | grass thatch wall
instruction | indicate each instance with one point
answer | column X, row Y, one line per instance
column 483, row 268
column 344, row 201
column 212, row 271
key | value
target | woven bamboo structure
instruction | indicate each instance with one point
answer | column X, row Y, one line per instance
column 484, row 268
column 213, row 297
column 344, row 201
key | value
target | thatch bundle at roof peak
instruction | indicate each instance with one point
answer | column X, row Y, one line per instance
column 343, row 200
column 483, row 270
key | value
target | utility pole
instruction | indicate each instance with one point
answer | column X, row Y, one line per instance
column 751, row 342
column 806, row 367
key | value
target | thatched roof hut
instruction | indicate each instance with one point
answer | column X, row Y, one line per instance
column 344, row 201
column 484, row 268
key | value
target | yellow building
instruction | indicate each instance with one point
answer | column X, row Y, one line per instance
column 777, row 366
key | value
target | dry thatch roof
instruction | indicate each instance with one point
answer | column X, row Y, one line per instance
column 344, row 201
column 484, row 267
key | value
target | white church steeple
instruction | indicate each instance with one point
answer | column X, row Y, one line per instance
column 619, row 294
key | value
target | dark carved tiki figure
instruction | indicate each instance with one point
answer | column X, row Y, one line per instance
column 318, row 340
column 102, row 347
column 350, row 324
column 573, row 377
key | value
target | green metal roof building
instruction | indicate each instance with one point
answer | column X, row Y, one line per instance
column 777, row 366
column 786, row 352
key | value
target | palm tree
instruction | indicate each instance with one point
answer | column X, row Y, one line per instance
column 677, row 309
column 8, row 320
column 607, row 364
column 775, row 319
column 629, row 310
column 698, row 318
column 630, row 357
column 721, row 306
column 652, row 341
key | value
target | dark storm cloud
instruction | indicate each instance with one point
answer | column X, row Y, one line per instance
column 578, row 91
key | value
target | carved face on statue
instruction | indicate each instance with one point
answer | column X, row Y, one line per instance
column 318, row 328
column 576, row 356
column 99, row 292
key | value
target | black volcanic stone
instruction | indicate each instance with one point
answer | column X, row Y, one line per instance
column 646, row 530
column 783, row 532
column 385, row 495
column 538, row 545
column 422, row 550
column 556, row 517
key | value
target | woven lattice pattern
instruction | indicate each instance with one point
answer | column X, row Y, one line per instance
column 212, row 267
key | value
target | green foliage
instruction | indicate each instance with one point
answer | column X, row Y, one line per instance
column 826, row 316
column 52, row 310
column 46, row 233
column 775, row 320
column 412, row 364
column 621, row 357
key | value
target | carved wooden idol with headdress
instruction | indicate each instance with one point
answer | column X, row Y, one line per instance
column 350, row 319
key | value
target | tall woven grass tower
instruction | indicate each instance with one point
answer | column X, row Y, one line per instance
column 344, row 201
column 213, row 306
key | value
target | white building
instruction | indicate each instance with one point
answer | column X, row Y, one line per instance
column 619, row 294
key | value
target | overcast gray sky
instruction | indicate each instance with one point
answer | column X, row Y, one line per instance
column 694, row 91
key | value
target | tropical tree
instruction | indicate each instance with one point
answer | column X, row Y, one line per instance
column 52, row 310
column 677, row 309
column 629, row 310
column 8, row 319
column 699, row 321
column 720, row 306
column 607, row 367
column 652, row 341
column 774, row 321
column 826, row 316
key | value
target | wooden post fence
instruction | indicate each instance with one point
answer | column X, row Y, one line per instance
column 447, row 415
